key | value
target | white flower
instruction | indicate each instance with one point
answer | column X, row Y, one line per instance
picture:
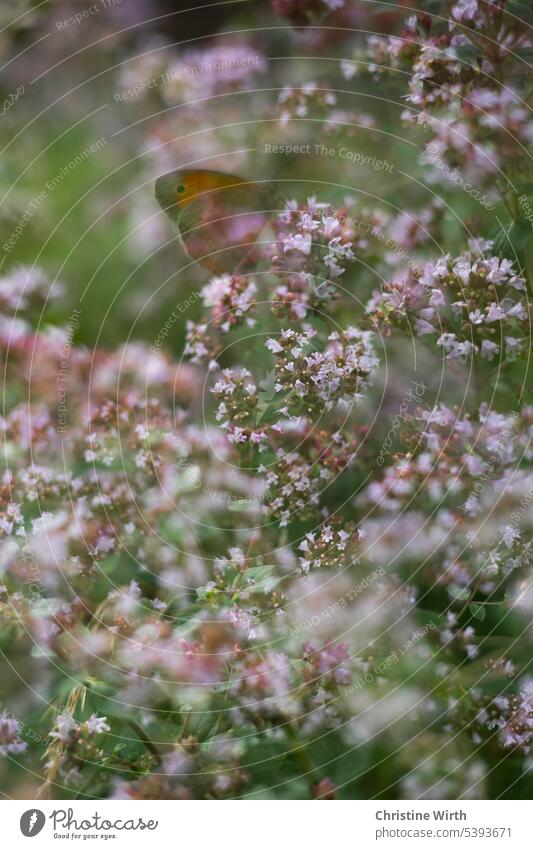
column 64, row 725
column 348, row 69
column 97, row 724
column 494, row 312
column 476, row 317
column 489, row 349
column 423, row 327
column 509, row 535
column 216, row 290
column 331, row 226
column 298, row 242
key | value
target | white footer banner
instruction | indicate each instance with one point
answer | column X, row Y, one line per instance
column 267, row 824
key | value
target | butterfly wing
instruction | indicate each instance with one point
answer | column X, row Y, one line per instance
column 219, row 216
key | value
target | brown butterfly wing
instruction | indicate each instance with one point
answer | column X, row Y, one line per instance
column 220, row 229
column 219, row 216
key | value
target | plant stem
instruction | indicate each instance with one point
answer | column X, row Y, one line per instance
column 299, row 751
column 141, row 734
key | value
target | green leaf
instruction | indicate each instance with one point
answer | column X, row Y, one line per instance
column 525, row 189
column 263, row 577
column 511, row 243
column 521, row 8
column 468, row 53
column 267, row 393
column 478, row 611
column 525, row 53
column 459, row 593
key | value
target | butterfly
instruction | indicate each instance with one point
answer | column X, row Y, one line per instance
column 219, row 216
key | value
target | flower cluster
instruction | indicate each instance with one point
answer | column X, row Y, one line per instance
column 327, row 665
column 472, row 304
column 238, row 397
column 314, row 381
column 191, row 770
column 506, row 718
column 457, row 82
column 445, row 453
column 26, row 289
column 298, row 102
column 293, row 487
column 469, row 136
column 516, row 730
column 331, row 547
column 313, row 250
column 229, row 298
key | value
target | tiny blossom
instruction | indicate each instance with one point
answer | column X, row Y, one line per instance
column 199, row 343
column 10, row 731
column 64, row 728
column 452, row 452
column 509, row 535
column 467, row 11
column 506, row 718
column 453, row 634
column 97, row 724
